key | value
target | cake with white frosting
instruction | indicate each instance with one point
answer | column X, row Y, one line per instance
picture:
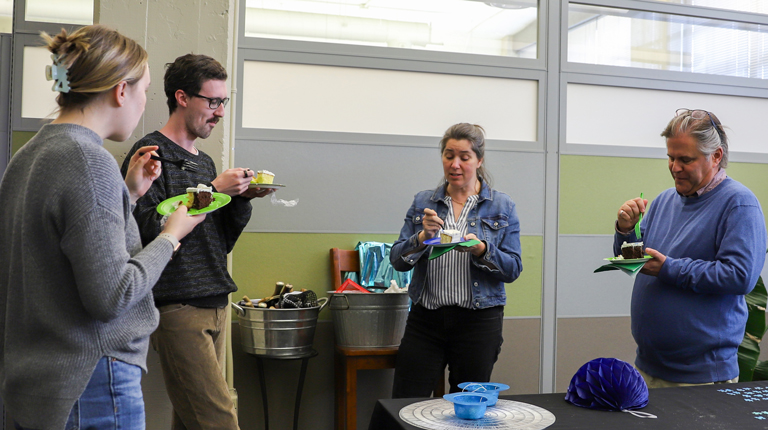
column 199, row 197
column 263, row 177
column 632, row 250
column 450, row 236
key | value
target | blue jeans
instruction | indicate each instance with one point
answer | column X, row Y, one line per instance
column 112, row 399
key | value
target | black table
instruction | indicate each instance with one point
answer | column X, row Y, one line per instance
column 263, row 382
column 745, row 406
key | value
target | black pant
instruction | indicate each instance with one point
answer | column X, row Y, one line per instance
column 468, row 341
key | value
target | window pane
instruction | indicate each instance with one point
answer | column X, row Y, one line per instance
column 60, row 12
column 6, row 16
column 38, row 100
column 753, row 6
column 501, row 28
column 630, row 38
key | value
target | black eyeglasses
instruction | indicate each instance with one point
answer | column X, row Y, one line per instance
column 697, row 114
column 213, row 103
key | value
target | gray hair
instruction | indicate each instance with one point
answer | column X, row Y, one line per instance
column 708, row 133
column 475, row 135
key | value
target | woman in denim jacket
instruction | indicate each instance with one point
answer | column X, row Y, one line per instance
column 458, row 298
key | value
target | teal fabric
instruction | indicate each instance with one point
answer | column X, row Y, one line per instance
column 376, row 272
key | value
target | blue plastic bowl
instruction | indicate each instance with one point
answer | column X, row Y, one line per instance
column 492, row 389
column 468, row 406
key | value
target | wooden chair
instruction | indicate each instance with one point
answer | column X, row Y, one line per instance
column 347, row 360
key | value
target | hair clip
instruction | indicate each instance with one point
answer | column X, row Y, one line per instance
column 57, row 73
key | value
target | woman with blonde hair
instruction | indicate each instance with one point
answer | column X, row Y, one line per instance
column 75, row 284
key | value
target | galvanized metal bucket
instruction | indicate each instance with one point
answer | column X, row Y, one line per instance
column 278, row 332
column 368, row 320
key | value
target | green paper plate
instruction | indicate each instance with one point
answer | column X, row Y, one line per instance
column 435, row 241
column 167, row 207
column 617, row 260
column 438, row 251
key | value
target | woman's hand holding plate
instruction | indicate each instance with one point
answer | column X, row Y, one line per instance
column 476, row 250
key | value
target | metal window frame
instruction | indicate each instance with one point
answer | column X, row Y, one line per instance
column 18, row 122
column 260, row 134
column 26, row 33
column 629, row 77
column 5, row 112
column 665, row 8
column 367, row 57
column 21, row 25
column 385, row 53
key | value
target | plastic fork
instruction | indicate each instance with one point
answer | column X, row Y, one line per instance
column 181, row 164
column 637, row 226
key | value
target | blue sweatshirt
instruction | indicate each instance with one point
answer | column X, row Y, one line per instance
column 689, row 321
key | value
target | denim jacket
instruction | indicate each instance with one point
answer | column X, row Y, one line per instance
column 493, row 220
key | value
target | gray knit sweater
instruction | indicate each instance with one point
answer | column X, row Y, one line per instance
column 75, row 284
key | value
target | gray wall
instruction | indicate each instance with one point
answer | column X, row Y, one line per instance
column 5, row 91
column 332, row 174
column 5, row 135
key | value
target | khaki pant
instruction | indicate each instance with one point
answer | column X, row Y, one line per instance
column 191, row 343
column 653, row 382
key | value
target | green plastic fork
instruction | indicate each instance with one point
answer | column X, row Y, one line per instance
column 637, row 226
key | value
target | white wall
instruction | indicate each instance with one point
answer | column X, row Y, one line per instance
column 323, row 98
column 632, row 117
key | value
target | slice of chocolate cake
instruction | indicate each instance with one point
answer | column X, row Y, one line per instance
column 632, row 250
column 199, row 197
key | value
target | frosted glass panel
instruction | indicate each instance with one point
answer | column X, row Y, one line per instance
column 752, row 6
column 6, row 16
column 602, row 115
column 343, row 99
column 631, row 38
column 502, row 27
column 60, row 11
column 38, row 100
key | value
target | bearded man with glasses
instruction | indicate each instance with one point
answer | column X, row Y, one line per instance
column 707, row 241
column 192, row 293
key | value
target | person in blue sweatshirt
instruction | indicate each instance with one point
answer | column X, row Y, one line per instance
column 707, row 240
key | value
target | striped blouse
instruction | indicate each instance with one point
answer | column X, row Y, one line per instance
column 448, row 278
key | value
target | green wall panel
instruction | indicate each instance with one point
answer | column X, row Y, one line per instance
column 524, row 295
column 302, row 259
column 593, row 188
column 19, row 138
column 755, row 177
